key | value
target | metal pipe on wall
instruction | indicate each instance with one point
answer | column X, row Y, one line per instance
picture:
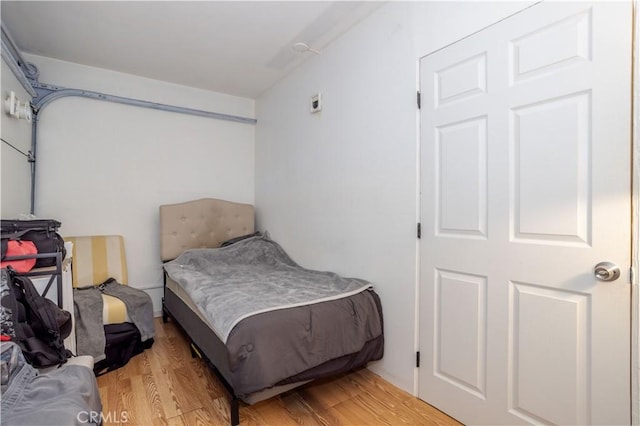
column 15, row 61
column 55, row 92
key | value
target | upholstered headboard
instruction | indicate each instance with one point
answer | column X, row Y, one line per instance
column 202, row 223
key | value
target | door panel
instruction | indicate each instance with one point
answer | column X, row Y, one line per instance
column 461, row 149
column 553, row 136
column 461, row 340
column 549, row 386
column 525, row 134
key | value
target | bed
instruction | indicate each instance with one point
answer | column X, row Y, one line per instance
column 264, row 324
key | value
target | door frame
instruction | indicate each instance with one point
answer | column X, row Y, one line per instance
column 635, row 223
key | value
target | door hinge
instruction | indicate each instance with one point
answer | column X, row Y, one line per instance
column 418, row 359
column 418, row 100
column 419, row 230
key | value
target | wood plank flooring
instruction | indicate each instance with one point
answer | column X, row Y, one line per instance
column 166, row 386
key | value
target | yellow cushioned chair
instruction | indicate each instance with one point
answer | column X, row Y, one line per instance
column 95, row 259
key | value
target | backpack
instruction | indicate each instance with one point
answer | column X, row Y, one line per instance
column 32, row 321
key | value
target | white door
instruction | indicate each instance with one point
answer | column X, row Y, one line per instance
column 525, row 165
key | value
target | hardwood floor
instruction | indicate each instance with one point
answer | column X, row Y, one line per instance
column 166, row 386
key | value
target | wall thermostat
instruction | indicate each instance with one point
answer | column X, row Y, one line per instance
column 316, row 103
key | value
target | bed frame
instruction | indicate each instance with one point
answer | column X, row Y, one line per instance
column 208, row 223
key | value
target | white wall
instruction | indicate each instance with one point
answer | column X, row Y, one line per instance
column 338, row 189
column 105, row 168
column 15, row 171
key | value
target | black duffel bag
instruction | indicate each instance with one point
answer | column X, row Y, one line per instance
column 122, row 341
column 43, row 233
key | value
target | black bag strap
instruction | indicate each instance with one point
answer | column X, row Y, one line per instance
column 14, row 235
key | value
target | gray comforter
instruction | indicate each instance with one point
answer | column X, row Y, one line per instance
column 252, row 276
column 331, row 324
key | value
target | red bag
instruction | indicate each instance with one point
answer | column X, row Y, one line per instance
column 20, row 248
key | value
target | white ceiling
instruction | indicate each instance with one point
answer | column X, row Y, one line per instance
column 236, row 47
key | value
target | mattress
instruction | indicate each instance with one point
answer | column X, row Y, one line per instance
column 252, row 370
column 184, row 296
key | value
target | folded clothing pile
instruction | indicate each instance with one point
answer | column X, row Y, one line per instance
column 60, row 396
